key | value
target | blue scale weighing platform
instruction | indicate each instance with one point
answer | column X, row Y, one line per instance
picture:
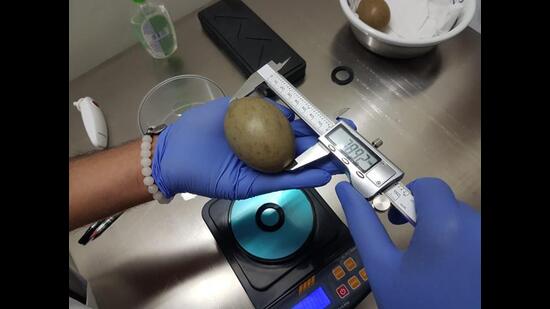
column 289, row 250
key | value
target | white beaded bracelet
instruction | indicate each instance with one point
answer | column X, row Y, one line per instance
column 146, row 162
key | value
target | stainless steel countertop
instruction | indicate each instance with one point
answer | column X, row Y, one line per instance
column 427, row 111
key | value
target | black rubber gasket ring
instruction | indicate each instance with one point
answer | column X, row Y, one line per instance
column 342, row 81
column 276, row 226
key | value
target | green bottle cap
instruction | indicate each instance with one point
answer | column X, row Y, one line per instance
column 139, row 1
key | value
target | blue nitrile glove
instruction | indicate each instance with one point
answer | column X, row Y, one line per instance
column 192, row 155
column 441, row 268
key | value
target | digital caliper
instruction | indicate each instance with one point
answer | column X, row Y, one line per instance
column 368, row 170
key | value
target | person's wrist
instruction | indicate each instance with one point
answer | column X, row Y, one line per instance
column 149, row 153
column 159, row 143
column 155, row 163
column 138, row 176
column 154, row 146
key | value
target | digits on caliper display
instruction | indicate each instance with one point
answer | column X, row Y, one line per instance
column 353, row 148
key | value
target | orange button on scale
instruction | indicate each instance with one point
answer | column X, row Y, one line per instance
column 338, row 272
column 363, row 274
column 350, row 264
column 353, row 282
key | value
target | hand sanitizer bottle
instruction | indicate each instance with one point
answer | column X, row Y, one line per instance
column 154, row 29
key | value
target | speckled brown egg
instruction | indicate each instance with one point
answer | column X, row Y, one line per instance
column 259, row 134
column 375, row 13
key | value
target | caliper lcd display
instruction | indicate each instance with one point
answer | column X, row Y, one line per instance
column 353, row 149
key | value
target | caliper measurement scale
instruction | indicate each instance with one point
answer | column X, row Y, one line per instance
column 296, row 101
column 368, row 170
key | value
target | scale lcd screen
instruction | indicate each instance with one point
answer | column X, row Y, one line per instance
column 315, row 300
column 354, row 150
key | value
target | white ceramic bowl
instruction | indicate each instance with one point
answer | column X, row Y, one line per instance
column 389, row 46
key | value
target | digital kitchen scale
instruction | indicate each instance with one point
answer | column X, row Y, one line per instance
column 289, row 250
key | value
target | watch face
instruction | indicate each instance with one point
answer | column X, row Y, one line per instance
column 154, row 130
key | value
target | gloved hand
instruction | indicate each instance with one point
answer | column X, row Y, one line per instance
column 441, row 268
column 192, row 155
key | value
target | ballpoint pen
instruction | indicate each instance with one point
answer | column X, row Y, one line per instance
column 86, row 237
column 97, row 228
column 104, row 226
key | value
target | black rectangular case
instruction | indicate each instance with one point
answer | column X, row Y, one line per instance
column 248, row 40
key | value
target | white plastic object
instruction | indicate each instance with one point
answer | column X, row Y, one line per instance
column 94, row 121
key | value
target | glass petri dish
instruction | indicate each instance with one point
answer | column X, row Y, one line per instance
column 168, row 100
